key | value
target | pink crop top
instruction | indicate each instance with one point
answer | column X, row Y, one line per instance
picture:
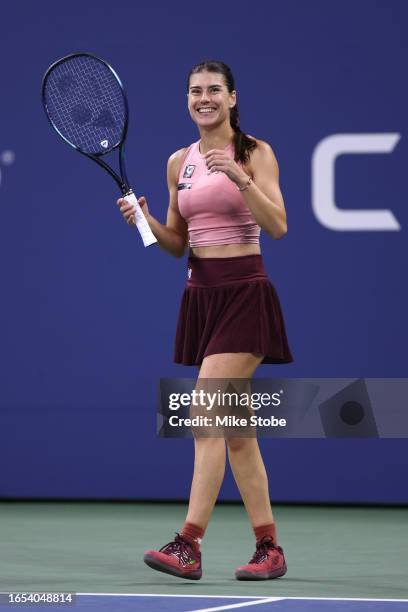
column 214, row 209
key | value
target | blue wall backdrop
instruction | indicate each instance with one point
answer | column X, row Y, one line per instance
column 88, row 316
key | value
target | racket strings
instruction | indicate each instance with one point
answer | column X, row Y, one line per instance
column 86, row 104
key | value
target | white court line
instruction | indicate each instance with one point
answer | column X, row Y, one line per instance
column 347, row 599
column 241, row 597
column 181, row 595
column 255, row 602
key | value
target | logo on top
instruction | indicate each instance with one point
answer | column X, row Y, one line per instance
column 188, row 171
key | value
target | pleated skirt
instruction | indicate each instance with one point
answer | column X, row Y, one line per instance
column 230, row 306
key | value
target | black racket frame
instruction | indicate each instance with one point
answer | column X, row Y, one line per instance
column 121, row 180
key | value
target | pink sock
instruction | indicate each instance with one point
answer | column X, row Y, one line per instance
column 193, row 533
column 265, row 531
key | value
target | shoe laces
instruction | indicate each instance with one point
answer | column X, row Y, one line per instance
column 180, row 548
column 262, row 549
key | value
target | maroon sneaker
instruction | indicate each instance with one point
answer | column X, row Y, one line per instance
column 268, row 562
column 177, row 558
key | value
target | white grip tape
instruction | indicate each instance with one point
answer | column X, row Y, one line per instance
column 141, row 223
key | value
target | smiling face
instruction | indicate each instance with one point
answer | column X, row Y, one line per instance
column 209, row 101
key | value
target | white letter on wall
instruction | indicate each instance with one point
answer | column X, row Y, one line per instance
column 323, row 182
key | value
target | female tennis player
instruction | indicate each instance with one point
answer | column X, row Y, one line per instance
column 223, row 189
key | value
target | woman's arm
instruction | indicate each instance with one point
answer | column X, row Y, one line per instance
column 172, row 237
column 263, row 195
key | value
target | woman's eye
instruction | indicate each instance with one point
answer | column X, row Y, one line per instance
column 198, row 93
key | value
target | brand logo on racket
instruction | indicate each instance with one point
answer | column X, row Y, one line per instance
column 104, row 144
column 188, row 171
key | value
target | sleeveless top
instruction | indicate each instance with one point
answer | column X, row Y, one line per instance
column 211, row 204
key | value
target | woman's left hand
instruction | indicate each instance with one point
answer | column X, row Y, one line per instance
column 218, row 160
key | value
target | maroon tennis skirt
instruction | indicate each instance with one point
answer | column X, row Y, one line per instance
column 230, row 306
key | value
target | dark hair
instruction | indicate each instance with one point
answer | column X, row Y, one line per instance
column 243, row 144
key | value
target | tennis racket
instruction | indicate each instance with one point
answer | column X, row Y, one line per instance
column 86, row 104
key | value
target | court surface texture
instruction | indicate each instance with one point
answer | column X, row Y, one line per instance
column 340, row 559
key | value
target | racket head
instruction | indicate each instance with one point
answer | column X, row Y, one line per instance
column 86, row 104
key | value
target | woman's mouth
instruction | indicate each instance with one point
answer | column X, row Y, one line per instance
column 206, row 110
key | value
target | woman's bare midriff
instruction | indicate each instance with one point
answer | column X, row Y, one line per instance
column 226, row 250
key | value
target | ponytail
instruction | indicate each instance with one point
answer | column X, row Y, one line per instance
column 243, row 144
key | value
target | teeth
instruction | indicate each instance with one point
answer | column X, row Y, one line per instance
column 206, row 110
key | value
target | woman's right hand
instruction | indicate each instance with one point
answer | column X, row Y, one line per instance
column 127, row 209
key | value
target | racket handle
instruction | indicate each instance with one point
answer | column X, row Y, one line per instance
column 141, row 222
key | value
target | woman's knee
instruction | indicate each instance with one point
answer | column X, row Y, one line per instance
column 240, row 444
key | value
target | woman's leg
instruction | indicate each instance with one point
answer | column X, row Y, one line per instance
column 183, row 560
column 209, row 468
column 250, row 475
column 209, row 465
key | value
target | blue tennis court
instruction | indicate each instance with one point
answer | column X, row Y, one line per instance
column 104, row 602
column 164, row 603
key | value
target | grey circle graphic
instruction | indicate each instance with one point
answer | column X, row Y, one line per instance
column 352, row 413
